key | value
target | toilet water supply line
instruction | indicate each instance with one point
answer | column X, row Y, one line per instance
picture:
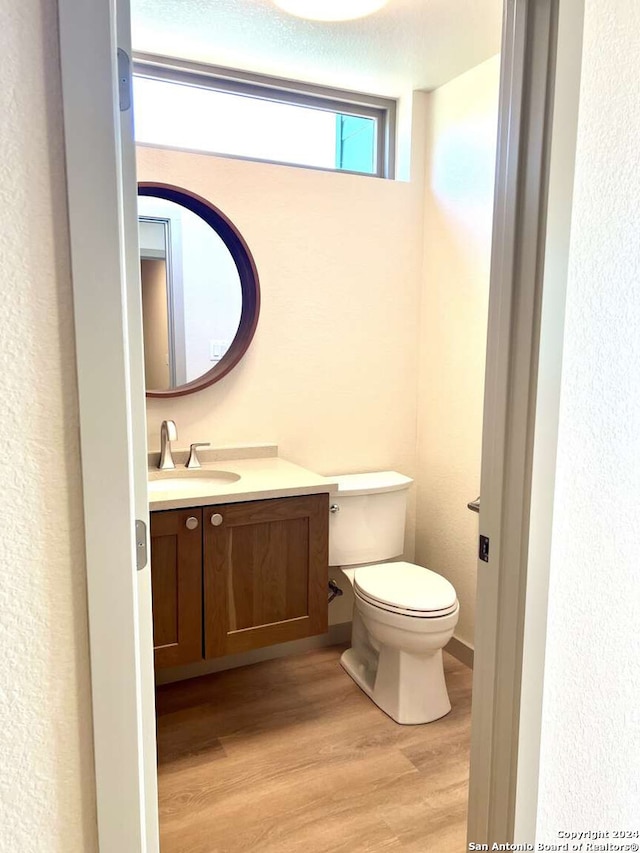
column 334, row 590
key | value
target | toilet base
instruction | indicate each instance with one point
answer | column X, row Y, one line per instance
column 409, row 688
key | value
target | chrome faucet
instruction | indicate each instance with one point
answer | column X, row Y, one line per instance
column 168, row 433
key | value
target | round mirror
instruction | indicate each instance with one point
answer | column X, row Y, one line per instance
column 200, row 291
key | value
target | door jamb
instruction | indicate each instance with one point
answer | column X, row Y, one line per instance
column 120, row 674
column 536, row 138
column 562, row 152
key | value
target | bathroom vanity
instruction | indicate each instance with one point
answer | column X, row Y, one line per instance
column 239, row 556
column 239, row 537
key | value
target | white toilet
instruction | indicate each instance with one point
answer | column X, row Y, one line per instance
column 403, row 614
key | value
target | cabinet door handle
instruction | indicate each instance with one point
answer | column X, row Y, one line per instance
column 216, row 519
column 191, row 523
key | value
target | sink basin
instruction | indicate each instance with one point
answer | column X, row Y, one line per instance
column 198, row 482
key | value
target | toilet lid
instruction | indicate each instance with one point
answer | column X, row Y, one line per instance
column 405, row 587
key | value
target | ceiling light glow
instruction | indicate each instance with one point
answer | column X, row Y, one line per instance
column 330, row 10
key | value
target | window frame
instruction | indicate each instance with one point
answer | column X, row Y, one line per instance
column 279, row 90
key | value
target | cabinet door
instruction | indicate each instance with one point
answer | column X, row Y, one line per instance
column 265, row 573
column 176, row 586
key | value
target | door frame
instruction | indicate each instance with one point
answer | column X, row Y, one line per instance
column 539, row 97
column 105, row 271
column 175, row 287
column 519, row 433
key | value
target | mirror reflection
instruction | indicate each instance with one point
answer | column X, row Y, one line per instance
column 191, row 294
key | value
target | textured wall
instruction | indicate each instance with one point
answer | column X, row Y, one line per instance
column 331, row 373
column 46, row 786
column 457, row 248
column 590, row 762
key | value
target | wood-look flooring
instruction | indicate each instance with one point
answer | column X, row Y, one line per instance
column 289, row 756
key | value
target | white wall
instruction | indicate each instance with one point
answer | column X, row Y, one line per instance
column 457, row 247
column 331, row 373
column 212, row 294
column 590, row 761
column 47, row 786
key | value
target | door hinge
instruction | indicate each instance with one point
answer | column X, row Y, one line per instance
column 483, row 549
column 141, row 544
column 124, row 80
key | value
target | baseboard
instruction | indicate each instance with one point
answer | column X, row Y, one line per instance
column 340, row 633
column 461, row 651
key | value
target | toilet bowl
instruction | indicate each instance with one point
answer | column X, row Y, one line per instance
column 404, row 614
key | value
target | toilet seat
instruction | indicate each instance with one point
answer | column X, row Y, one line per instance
column 405, row 589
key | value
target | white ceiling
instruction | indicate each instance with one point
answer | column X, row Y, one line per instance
column 409, row 44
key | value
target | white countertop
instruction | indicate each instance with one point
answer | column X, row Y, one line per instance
column 258, row 479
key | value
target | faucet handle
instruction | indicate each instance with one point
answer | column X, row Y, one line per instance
column 193, row 461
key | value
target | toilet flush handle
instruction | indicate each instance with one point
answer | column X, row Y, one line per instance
column 334, row 508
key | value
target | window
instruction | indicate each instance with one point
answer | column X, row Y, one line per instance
column 183, row 105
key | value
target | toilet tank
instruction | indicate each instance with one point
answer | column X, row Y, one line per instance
column 368, row 514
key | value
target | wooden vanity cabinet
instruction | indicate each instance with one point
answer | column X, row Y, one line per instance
column 265, row 573
column 254, row 577
column 176, row 586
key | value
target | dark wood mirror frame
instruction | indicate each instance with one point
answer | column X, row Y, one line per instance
column 247, row 271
